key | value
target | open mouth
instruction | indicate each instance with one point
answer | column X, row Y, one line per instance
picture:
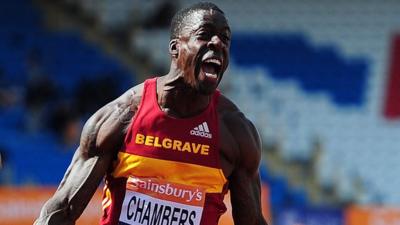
column 211, row 68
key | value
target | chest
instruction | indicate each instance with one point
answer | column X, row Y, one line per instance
column 194, row 141
column 201, row 140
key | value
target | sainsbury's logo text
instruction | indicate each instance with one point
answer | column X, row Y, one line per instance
column 182, row 192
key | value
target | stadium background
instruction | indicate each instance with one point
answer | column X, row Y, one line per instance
column 320, row 79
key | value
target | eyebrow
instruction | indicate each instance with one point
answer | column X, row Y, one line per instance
column 211, row 25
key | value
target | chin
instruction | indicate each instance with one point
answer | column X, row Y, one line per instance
column 206, row 85
column 207, row 89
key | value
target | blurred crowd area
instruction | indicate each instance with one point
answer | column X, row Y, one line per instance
column 51, row 81
column 319, row 79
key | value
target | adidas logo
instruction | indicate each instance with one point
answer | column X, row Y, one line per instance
column 201, row 130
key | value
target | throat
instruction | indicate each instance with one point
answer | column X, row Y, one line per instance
column 177, row 99
column 181, row 106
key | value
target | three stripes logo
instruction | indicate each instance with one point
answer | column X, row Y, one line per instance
column 201, row 130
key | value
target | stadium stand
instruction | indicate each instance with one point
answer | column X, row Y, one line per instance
column 67, row 60
column 312, row 72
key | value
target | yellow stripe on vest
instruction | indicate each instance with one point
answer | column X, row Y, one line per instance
column 211, row 179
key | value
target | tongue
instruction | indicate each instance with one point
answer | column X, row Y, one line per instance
column 209, row 68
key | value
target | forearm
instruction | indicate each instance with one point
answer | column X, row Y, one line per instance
column 78, row 186
column 54, row 215
column 246, row 204
column 246, row 198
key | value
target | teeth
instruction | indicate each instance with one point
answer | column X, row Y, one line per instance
column 215, row 61
column 211, row 75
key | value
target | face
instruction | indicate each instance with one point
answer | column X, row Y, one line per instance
column 203, row 49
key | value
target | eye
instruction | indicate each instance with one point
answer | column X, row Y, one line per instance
column 203, row 35
column 226, row 37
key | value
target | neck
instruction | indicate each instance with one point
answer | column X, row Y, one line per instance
column 178, row 99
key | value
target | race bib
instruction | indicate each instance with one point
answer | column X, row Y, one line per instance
column 150, row 201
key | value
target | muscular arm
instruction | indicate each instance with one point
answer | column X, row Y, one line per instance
column 101, row 138
column 245, row 180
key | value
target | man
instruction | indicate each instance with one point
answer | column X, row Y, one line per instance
column 171, row 147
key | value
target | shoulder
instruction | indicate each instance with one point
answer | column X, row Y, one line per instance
column 244, row 133
column 107, row 127
column 230, row 113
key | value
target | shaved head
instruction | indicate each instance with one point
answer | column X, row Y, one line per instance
column 178, row 21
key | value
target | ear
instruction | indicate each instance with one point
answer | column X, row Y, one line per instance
column 174, row 48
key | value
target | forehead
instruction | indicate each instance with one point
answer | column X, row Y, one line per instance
column 200, row 18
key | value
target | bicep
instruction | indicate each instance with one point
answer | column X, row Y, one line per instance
column 86, row 170
column 245, row 180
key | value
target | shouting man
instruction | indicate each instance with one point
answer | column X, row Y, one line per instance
column 170, row 148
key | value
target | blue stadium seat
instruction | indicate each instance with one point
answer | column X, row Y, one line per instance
column 317, row 69
column 68, row 60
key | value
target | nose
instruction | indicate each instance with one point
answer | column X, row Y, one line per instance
column 215, row 42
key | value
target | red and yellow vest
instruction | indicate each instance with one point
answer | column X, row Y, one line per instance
column 168, row 171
